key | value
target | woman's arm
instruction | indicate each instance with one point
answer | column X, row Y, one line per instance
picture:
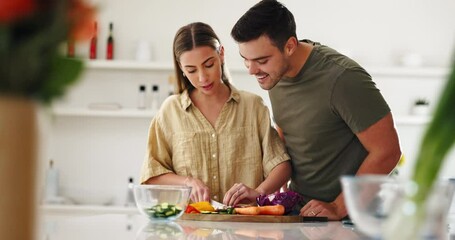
column 240, row 193
column 199, row 191
column 276, row 179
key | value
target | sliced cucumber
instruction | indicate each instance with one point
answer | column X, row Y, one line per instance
column 163, row 210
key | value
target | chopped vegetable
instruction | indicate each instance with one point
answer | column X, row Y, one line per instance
column 163, row 210
column 272, row 210
column 248, row 210
column 261, row 210
column 288, row 199
column 229, row 210
column 191, row 209
column 203, row 206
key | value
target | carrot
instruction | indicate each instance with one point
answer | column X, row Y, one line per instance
column 262, row 210
column 272, row 210
column 248, row 210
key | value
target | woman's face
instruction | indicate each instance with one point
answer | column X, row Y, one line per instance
column 202, row 66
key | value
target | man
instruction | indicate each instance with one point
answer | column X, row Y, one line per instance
column 333, row 119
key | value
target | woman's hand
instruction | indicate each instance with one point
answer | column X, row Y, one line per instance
column 240, row 193
column 199, row 192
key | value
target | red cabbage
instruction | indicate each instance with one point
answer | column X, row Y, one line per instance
column 288, row 199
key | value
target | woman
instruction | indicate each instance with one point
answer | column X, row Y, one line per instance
column 211, row 136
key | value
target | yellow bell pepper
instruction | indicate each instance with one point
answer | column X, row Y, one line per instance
column 203, row 206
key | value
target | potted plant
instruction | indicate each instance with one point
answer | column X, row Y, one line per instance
column 421, row 107
column 32, row 71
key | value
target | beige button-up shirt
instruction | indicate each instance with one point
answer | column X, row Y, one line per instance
column 241, row 148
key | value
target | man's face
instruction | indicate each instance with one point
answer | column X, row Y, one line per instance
column 264, row 60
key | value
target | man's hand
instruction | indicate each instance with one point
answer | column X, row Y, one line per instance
column 323, row 209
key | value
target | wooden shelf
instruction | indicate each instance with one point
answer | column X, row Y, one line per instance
column 86, row 112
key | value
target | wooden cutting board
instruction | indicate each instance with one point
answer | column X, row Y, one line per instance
column 241, row 218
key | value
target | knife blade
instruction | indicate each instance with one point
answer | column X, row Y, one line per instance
column 218, row 205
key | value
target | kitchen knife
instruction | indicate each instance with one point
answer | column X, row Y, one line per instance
column 218, row 205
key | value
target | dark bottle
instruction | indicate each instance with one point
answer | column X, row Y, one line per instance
column 130, row 195
column 110, row 43
column 93, row 43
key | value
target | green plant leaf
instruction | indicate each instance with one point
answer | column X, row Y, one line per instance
column 65, row 71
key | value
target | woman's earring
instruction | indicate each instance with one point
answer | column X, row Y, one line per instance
column 183, row 74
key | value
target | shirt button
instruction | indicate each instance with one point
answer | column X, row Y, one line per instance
column 214, row 177
column 213, row 135
column 214, row 155
column 215, row 197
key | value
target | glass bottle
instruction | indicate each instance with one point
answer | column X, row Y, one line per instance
column 110, row 43
column 51, row 190
column 130, row 195
column 141, row 97
column 93, row 43
column 155, row 98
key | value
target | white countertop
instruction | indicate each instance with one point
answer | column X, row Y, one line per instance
column 125, row 227
column 68, row 222
column 68, row 209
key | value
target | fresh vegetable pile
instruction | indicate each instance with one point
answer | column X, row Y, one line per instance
column 278, row 204
column 287, row 199
column 261, row 210
column 207, row 208
column 163, row 210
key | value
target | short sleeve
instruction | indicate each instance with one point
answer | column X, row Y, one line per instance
column 274, row 151
column 158, row 159
column 357, row 100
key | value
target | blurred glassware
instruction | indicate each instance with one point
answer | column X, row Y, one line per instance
column 372, row 200
column 160, row 230
column 162, row 202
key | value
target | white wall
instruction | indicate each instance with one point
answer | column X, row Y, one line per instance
column 98, row 153
column 374, row 32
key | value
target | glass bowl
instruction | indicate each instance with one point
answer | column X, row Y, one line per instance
column 161, row 202
column 372, row 200
column 369, row 200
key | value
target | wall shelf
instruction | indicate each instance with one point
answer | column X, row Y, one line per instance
column 86, row 112
column 412, row 120
column 168, row 66
column 128, row 65
column 147, row 113
column 437, row 72
column 86, row 209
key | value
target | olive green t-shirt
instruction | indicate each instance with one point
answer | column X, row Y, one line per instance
column 320, row 110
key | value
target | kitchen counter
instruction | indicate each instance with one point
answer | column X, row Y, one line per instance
column 130, row 225
column 135, row 226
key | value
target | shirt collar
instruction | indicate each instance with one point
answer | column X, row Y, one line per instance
column 185, row 99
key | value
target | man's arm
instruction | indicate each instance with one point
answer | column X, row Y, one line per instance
column 381, row 142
